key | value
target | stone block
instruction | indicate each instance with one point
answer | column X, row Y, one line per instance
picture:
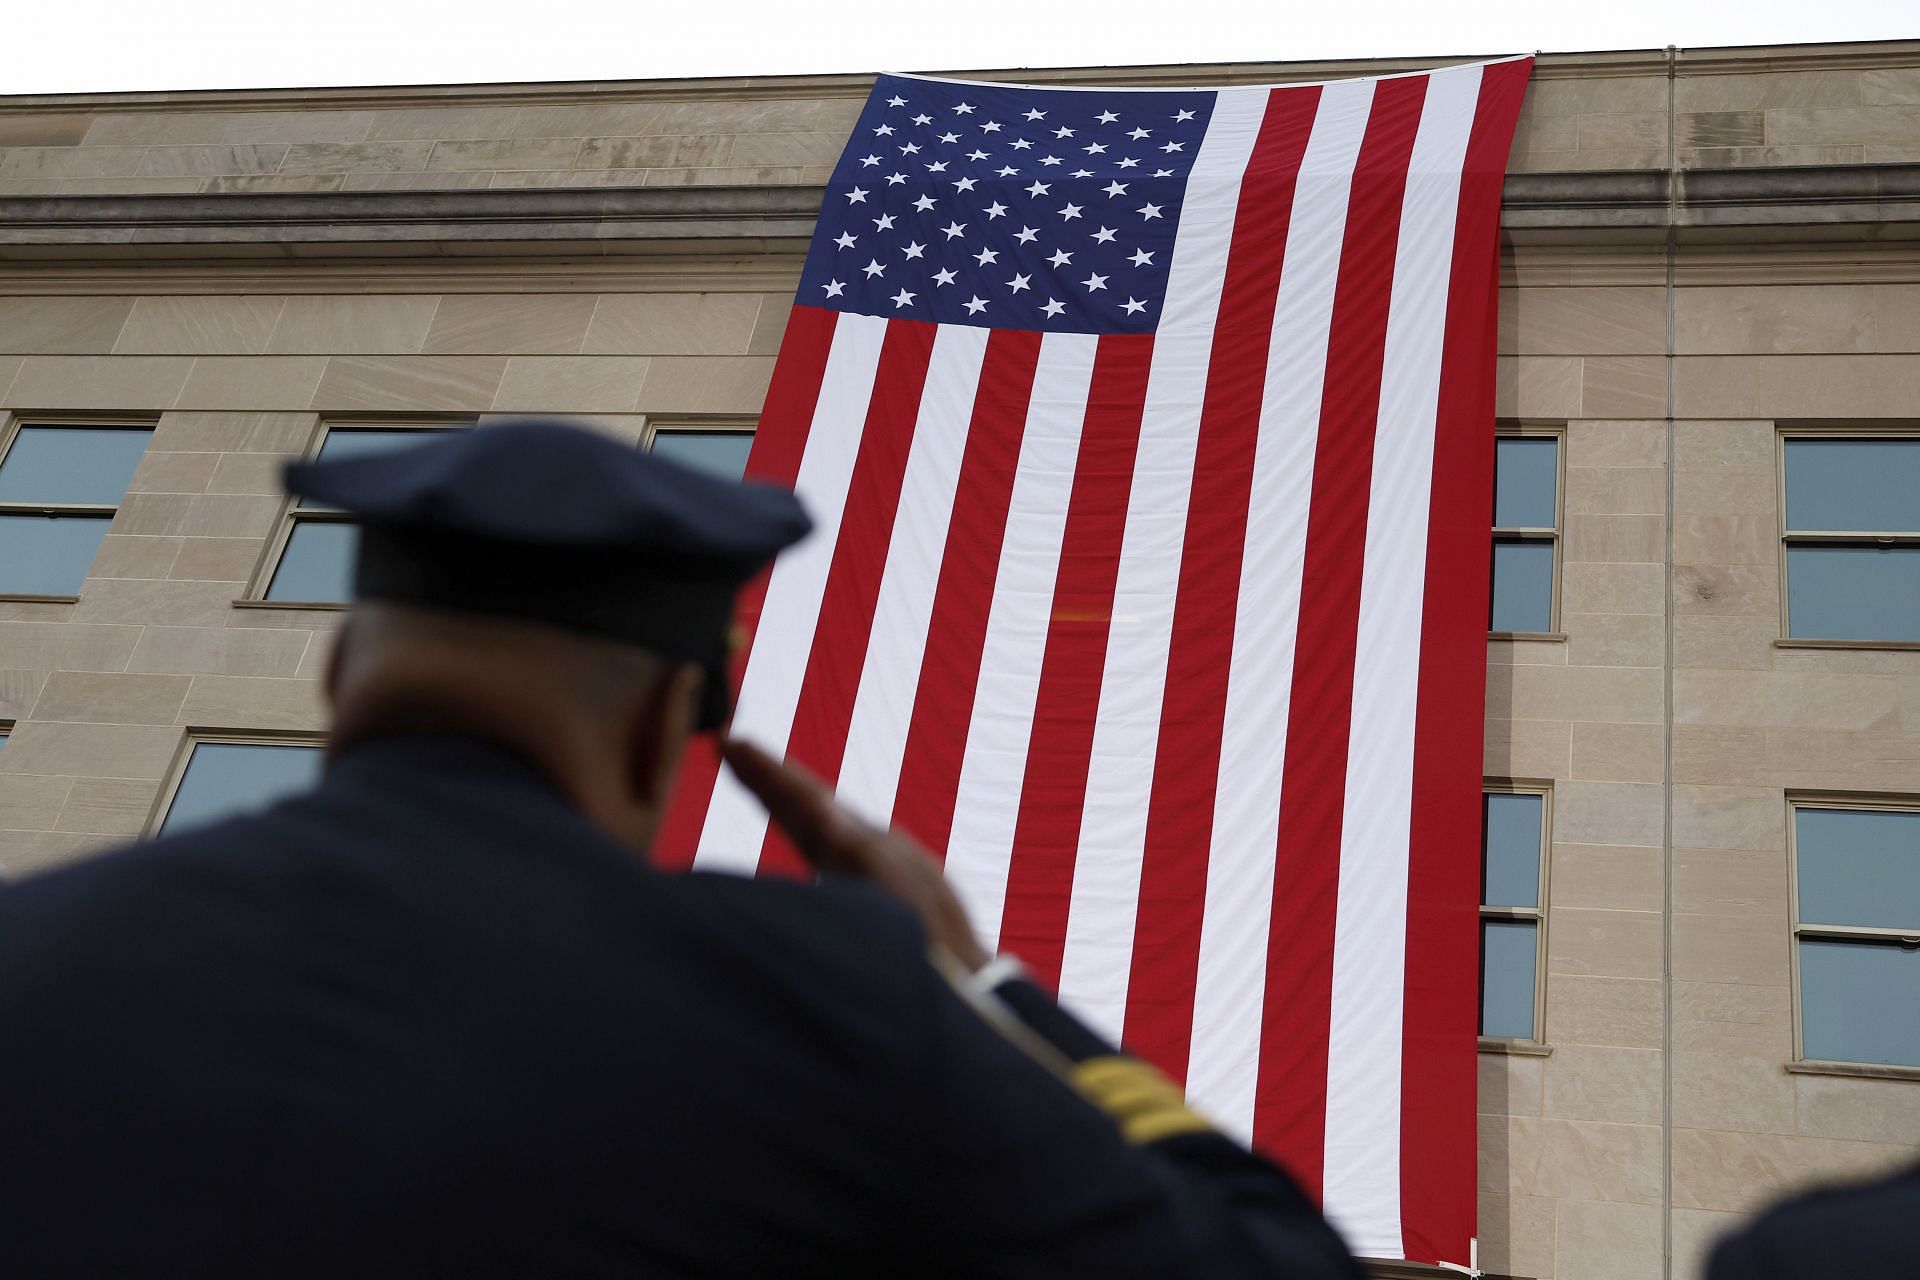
column 571, row 384
column 1586, row 1160
column 111, row 698
column 29, row 802
column 1510, row 1084
column 1623, row 386
column 1863, row 1110
column 1753, row 1021
column 230, row 560
column 54, row 129
column 770, row 325
column 1614, row 640
column 1606, row 877
column 169, row 472
column 1726, row 540
column 1728, row 642
column 1616, row 443
column 1615, row 130
column 254, row 182
column 154, row 604
column 1608, row 813
column 138, row 186
column 1528, row 651
column 1727, row 590
column 151, row 514
column 230, row 515
column 220, row 432
column 221, row 651
column 1617, row 491
column 1744, row 1172
column 357, row 157
column 1627, row 1012
column 134, row 556
column 1590, row 94
column 145, row 384
column 1713, row 446
column 28, row 853
column 255, row 382
column 109, row 806
column 509, row 324
column 176, row 127
column 1748, row 1095
column 254, row 702
column 1537, row 387
column 395, row 384
column 1617, row 694
column 1527, row 748
column 1726, row 817
column 496, row 154
column 1516, row 1235
column 731, row 176
column 1797, row 699
column 90, row 750
column 1695, row 1233
column 418, row 181
column 600, row 119
column 1608, row 1242
column 1587, row 588
column 657, row 151
column 1575, row 321
column 1588, row 1082
column 1780, row 319
column 1884, row 124
column 1751, row 91
column 1732, row 882
column 1721, row 128
column 1616, row 539
column 709, row 384
column 1770, row 157
column 254, row 473
column 1619, row 752
column 65, row 646
column 71, row 162
column 674, row 324
column 1604, row 944
column 211, row 160
column 542, row 178
column 1810, row 386
column 373, row 324
column 19, row 690
column 1728, row 949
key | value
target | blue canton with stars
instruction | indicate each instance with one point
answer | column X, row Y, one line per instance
column 1008, row 208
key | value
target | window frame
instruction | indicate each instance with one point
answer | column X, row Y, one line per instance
column 1822, row 430
column 183, row 756
column 293, row 515
column 1554, row 536
column 10, row 428
column 1537, row 914
column 733, row 423
column 1796, row 800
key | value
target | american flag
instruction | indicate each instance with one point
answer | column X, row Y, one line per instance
column 1149, row 438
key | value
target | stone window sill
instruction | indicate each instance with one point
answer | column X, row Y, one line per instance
column 23, row 598
column 1551, row 637
column 1515, row 1048
column 1859, row 1070
column 298, row 606
column 1791, row 642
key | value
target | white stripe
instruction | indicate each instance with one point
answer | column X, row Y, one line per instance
column 1361, row 1177
column 1230, row 983
column 987, row 802
column 883, row 706
column 1097, row 960
column 770, row 689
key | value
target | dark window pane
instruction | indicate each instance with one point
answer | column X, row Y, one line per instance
column 1507, row 952
column 317, row 563
column 1522, row 587
column 1860, row 1002
column 47, row 555
column 1853, row 593
column 724, row 453
column 1858, row 866
column 1525, row 475
column 1512, row 867
column 341, row 443
column 224, row 779
column 1854, row 484
column 57, row 465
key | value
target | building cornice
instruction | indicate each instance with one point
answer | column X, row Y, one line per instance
column 1729, row 60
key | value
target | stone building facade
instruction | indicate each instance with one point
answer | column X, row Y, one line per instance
column 1708, row 254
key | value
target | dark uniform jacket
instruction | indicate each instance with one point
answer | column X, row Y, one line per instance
column 426, row 1020
column 1865, row 1231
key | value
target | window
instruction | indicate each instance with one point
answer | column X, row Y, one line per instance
column 223, row 779
column 1857, row 930
column 1851, row 536
column 720, row 447
column 1513, row 879
column 1526, row 532
column 311, row 562
column 59, row 486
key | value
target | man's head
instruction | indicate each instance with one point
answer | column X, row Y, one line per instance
column 553, row 589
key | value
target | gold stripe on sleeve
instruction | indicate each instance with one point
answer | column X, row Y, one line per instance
column 1144, row 1103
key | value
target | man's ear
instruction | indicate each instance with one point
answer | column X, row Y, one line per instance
column 658, row 733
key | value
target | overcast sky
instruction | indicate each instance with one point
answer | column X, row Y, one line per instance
column 58, row 46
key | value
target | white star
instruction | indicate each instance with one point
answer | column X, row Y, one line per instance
column 911, row 149
column 1106, row 117
column 975, row 305
column 856, row 196
column 1115, row 188
column 954, row 228
column 1103, row 236
column 902, row 298
column 1060, row 258
column 1095, row 283
column 1128, row 163
column 883, row 129
column 1071, row 212
column 964, row 108
column 990, row 126
column 1148, row 211
column 1038, row 188
column 916, row 249
column 895, row 179
column 867, row 161
column 1184, row 115
column 949, row 137
column 976, row 154
column 1018, row 283
column 1035, row 115
column 1142, row 258
column 938, row 166
column 1134, row 306
column 943, row 277
column 1026, row 235
column 1021, row 144
column 834, row 288
column 1081, row 173
column 1054, row 307
column 883, row 223
column 1137, row 134
column 1174, row 146
column 985, row 256
column 923, row 119
column 1063, row 132
column 845, row 240
column 1095, row 148
column 1049, row 159
column 873, row 268
column 996, row 210
column 965, row 184
column 924, row 203
column 1007, row 171
column 1163, row 173
column 896, row 102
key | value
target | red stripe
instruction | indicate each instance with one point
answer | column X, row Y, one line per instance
column 818, row 738
column 1173, row 872
column 1437, row 1174
column 778, row 443
column 1291, row 1097
column 1047, row 832
column 957, row 630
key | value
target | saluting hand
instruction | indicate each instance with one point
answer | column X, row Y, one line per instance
column 832, row 839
